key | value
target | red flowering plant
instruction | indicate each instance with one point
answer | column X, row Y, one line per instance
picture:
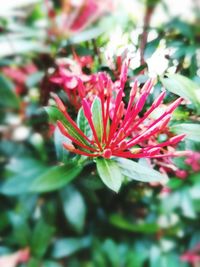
column 19, row 76
column 111, row 131
column 192, row 256
column 68, row 75
column 75, row 16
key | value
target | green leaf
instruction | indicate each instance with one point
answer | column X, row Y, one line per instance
column 55, row 114
column 55, row 178
column 33, row 262
column 34, row 79
column 97, row 117
column 51, row 264
column 59, row 138
column 20, row 183
column 151, row 47
column 74, row 207
column 183, row 87
column 191, row 130
column 83, row 124
column 8, row 97
column 68, row 246
column 86, row 35
column 111, row 252
column 42, row 235
column 122, row 223
column 20, row 46
column 187, row 204
column 40, row 179
column 109, row 173
column 140, row 172
column 21, row 232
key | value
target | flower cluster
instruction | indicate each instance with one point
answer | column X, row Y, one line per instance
column 70, row 77
column 192, row 256
column 192, row 162
column 76, row 15
column 19, row 75
column 118, row 129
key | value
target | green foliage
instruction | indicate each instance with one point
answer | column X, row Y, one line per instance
column 40, row 179
column 191, row 130
column 67, row 246
column 184, row 87
column 139, row 172
column 97, row 118
column 109, row 173
column 8, row 97
column 59, row 205
column 74, row 207
column 55, row 178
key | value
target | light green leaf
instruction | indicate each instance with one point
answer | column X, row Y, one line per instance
column 20, row 46
column 74, row 207
column 20, row 183
column 83, row 124
column 55, row 178
column 97, row 117
column 187, row 205
column 191, row 130
column 67, row 246
column 59, row 138
column 110, row 173
column 183, row 87
column 140, row 172
column 40, row 179
column 34, row 79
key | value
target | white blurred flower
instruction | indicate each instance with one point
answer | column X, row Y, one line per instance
column 166, row 221
column 157, row 63
column 21, row 133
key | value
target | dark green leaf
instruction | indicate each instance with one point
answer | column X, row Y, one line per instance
column 42, row 235
column 55, row 178
column 8, row 97
column 55, row 115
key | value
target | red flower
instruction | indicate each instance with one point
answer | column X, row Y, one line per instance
column 77, row 15
column 193, row 160
column 119, row 134
column 19, row 75
column 192, row 256
column 75, row 83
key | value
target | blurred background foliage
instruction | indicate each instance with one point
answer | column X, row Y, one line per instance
column 83, row 223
